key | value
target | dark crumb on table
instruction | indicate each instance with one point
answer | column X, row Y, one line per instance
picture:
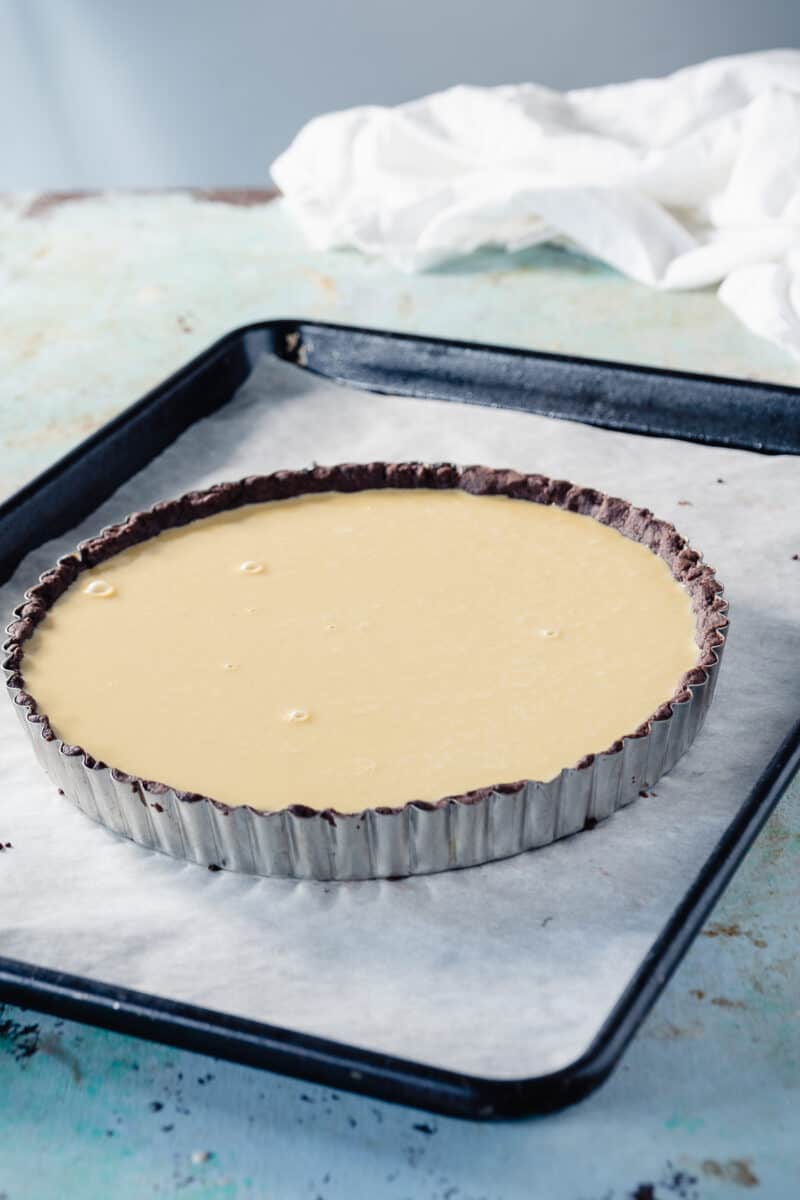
column 796, row 558
column 590, row 823
column 680, row 1184
column 424, row 1127
column 720, row 481
column 685, row 504
column 6, row 846
column 214, row 867
column 20, row 1041
column 61, row 791
column 646, row 795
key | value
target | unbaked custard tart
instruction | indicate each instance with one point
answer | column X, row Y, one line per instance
column 357, row 639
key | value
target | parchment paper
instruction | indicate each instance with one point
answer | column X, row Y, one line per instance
column 506, row 970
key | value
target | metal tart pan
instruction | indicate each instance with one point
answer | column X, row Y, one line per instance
column 418, row 838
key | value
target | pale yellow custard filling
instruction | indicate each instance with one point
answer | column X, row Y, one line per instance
column 365, row 649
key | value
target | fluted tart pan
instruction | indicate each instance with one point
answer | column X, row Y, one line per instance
column 419, row 837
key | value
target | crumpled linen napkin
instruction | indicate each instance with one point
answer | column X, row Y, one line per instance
column 678, row 182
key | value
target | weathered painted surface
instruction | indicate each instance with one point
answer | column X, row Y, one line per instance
column 100, row 300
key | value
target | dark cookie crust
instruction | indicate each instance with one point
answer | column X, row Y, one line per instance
column 638, row 524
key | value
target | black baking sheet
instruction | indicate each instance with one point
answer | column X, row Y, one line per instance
column 637, row 400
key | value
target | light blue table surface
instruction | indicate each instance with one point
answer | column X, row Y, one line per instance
column 100, row 299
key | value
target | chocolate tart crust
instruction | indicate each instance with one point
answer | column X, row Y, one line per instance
column 637, row 524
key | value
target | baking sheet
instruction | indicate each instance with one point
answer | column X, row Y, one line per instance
column 507, row 970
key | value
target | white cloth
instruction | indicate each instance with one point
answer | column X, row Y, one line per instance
column 678, row 182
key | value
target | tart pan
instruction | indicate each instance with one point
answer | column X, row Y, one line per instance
column 419, row 837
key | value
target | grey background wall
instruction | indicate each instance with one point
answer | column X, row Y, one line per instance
column 169, row 92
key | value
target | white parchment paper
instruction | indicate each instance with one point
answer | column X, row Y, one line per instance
column 506, row 970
